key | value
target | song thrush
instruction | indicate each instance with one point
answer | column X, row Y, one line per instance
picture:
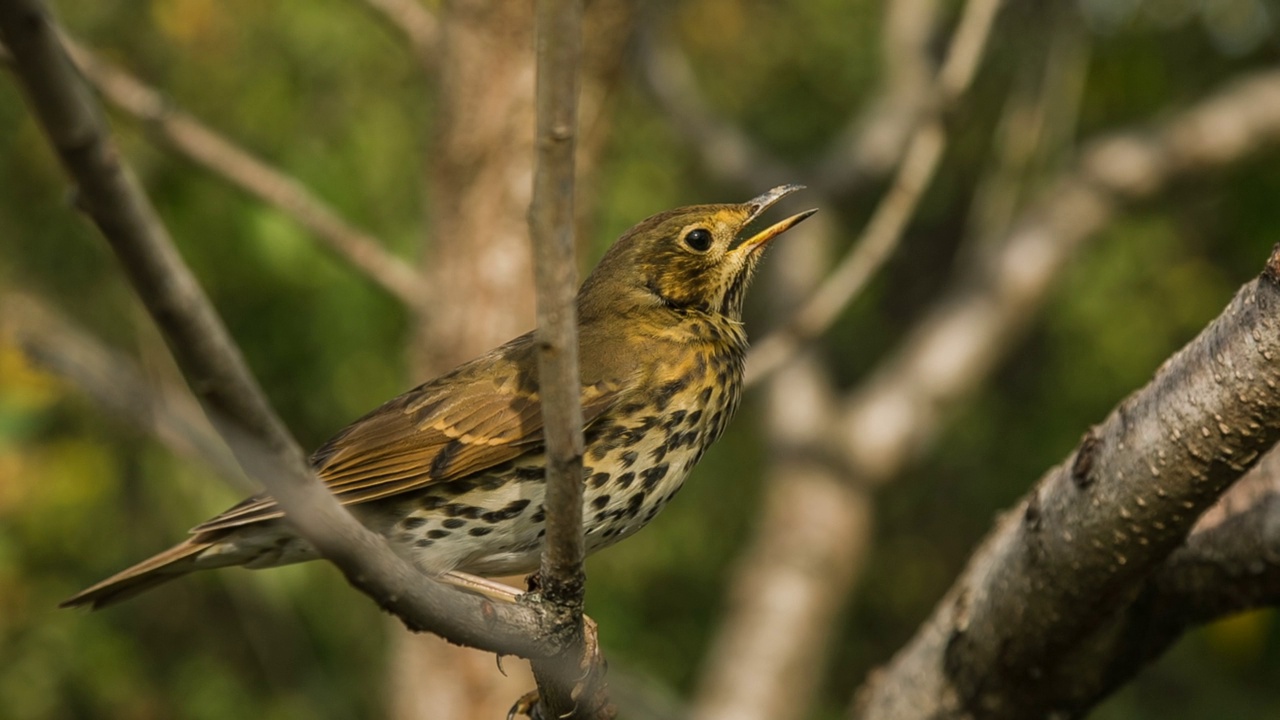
column 451, row 472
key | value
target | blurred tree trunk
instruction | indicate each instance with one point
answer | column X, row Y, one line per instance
column 478, row 265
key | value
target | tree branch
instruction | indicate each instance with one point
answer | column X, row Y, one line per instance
column 959, row 341
column 1096, row 526
column 225, row 159
column 1230, row 563
column 562, row 580
column 724, row 149
column 873, row 142
column 885, row 229
column 114, row 382
column 109, row 195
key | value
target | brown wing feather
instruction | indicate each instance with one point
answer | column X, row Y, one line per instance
column 479, row 416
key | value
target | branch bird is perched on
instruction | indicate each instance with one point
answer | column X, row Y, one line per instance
column 452, row 472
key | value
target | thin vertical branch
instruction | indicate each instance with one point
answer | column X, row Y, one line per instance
column 559, row 33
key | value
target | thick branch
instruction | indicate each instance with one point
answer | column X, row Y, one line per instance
column 224, row 158
column 1230, row 563
column 215, row 369
column 1094, row 527
column 559, row 37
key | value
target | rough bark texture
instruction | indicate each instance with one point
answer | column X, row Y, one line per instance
column 1090, row 532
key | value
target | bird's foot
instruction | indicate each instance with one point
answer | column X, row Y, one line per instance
column 588, row 691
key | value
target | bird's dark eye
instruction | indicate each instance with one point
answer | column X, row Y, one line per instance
column 698, row 239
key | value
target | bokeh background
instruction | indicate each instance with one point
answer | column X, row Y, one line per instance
column 328, row 91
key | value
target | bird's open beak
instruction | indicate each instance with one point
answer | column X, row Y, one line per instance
column 757, row 208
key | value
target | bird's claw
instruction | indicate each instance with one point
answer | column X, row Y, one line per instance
column 589, row 689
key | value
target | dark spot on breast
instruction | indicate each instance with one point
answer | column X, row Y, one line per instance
column 453, row 523
column 654, row 475
column 512, row 510
column 694, row 417
column 598, row 480
column 437, row 534
column 470, row 512
column 479, row 531
column 625, row 479
column 413, row 523
column 704, row 397
column 634, row 505
column 674, row 419
column 628, row 458
column 600, row 502
column 539, row 515
column 424, row 543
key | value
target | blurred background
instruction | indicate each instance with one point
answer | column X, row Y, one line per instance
column 413, row 124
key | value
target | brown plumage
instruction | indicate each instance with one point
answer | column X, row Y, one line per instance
column 452, row 471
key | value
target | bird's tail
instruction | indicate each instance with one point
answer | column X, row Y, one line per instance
column 168, row 565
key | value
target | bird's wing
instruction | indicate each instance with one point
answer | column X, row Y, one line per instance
column 483, row 414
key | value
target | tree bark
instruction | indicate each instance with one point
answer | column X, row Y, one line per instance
column 1089, row 534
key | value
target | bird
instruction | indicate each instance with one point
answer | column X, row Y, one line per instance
column 451, row 473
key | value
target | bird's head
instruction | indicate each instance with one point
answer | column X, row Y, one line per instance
column 690, row 258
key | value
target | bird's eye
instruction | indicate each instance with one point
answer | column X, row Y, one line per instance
column 698, row 239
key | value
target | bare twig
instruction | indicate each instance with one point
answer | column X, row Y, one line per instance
column 724, row 149
column 959, row 341
column 114, row 382
column 224, row 158
column 889, row 221
column 873, row 142
column 1095, row 526
column 562, row 580
column 110, row 196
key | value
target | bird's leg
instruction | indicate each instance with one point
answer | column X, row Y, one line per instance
column 482, row 586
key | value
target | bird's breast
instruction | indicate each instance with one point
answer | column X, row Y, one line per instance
column 639, row 454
